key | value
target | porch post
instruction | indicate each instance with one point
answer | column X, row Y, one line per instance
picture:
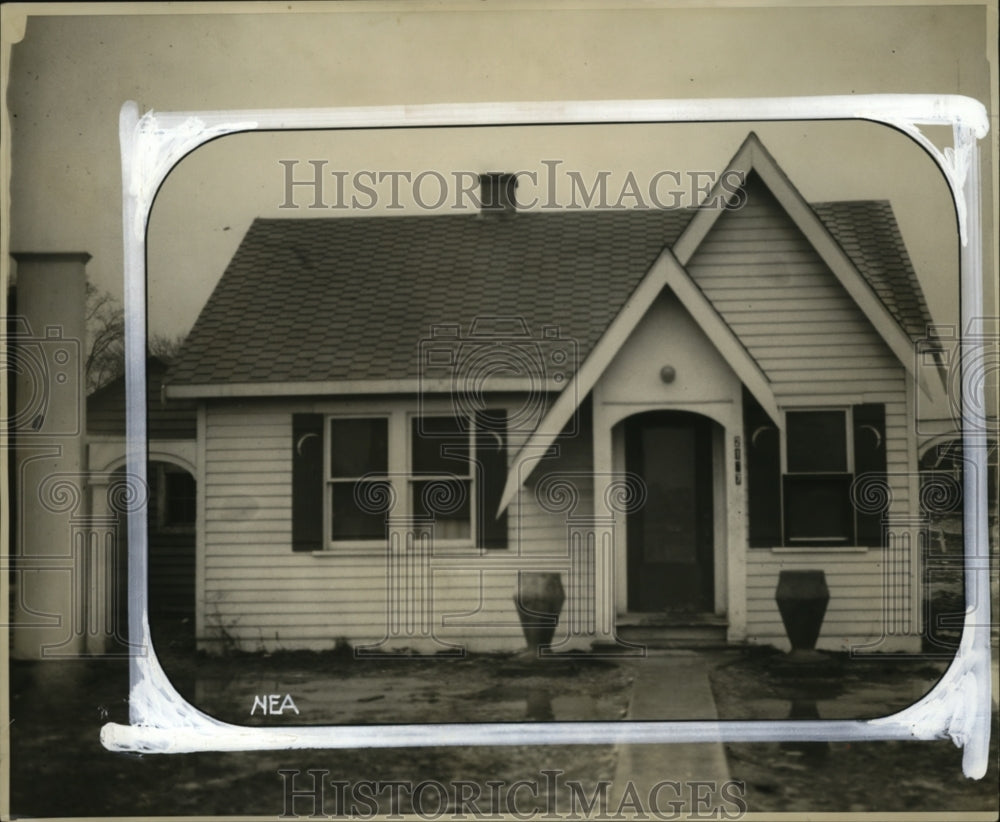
column 905, row 545
column 737, row 533
column 104, row 563
column 604, row 526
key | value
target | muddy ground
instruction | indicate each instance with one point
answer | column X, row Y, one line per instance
column 842, row 776
column 58, row 709
column 60, row 768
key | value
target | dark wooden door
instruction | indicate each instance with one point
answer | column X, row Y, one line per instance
column 670, row 538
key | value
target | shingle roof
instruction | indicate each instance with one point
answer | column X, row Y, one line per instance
column 330, row 299
column 351, row 298
column 868, row 233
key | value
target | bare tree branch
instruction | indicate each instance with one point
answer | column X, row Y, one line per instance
column 106, row 340
column 106, row 336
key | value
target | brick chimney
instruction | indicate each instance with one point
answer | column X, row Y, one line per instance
column 497, row 192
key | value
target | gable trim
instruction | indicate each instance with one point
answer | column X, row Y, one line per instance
column 753, row 156
column 665, row 272
column 307, row 388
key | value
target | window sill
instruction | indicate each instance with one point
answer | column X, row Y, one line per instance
column 817, row 549
column 441, row 550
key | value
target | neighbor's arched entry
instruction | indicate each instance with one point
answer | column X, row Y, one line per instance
column 670, row 539
column 171, row 522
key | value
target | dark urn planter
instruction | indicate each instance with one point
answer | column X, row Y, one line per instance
column 802, row 597
column 539, row 601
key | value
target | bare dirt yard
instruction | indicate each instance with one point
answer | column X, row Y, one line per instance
column 876, row 777
column 58, row 709
column 59, row 767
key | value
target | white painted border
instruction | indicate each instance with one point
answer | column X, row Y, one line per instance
column 958, row 707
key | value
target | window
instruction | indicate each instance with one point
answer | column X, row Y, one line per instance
column 799, row 486
column 173, row 497
column 441, row 487
column 180, row 505
column 817, row 484
column 358, row 474
column 346, row 469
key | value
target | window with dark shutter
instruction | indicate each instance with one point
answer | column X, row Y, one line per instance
column 307, row 482
column 802, row 497
column 817, row 483
column 453, row 471
column 491, row 468
column 358, row 479
column 442, row 480
column 869, row 458
column 763, row 470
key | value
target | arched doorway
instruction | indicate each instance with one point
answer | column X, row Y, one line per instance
column 670, row 538
column 171, row 511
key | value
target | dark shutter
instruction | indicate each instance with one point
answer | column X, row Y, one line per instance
column 307, row 482
column 491, row 458
column 762, row 445
column 869, row 458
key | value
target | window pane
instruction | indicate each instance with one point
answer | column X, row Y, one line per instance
column 818, row 509
column 817, row 441
column 351, row 520
column 440, row 446
column 359, row 447
column 491, row 477
column 448, row 503
column 181, row 499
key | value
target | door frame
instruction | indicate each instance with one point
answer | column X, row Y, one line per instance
column 705, row 487
column 729, row 528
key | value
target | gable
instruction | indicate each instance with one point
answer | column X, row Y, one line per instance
column 781, row 299
column 668, row 336
column 856, row 262
column 666, row 275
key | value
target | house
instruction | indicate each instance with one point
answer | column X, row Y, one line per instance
column 404, row 421
column 171, row 429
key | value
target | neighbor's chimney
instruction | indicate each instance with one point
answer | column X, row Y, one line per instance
column 48, row 418
column 498, row 194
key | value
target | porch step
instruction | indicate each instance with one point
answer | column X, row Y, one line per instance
column 673, row 630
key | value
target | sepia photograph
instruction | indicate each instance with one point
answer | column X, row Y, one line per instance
column 526, row 455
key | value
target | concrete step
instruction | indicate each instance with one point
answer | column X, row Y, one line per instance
column 674, row 636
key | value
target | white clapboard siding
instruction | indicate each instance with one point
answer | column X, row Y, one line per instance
column 539, row 522
column 816, row 347
column 259, row 594
column 867, row 597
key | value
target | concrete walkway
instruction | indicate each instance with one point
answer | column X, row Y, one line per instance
column 673, row 685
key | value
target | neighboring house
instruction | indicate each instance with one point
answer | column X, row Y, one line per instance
column 400, row 417
column 171, row 495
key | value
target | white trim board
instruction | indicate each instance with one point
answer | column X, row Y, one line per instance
column 666, row 272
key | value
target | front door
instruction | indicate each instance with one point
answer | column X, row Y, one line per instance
column 670, row 565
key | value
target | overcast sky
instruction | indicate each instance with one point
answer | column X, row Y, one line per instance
column 70, row 75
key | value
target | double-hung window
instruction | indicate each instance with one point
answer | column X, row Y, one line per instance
column 357, row 478
column 442, row 483
column 352, row 476
column 817, row 479
column 799, row 485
